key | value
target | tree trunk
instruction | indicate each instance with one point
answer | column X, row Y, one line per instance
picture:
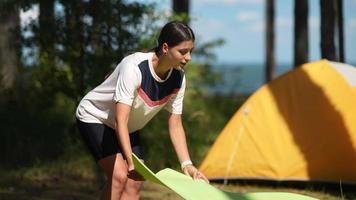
column 46, row 29
column 75, row 44
column 270, row 57
column 327, row 22
column 301, row 42
column 181, row 6
column 340, row 25
column 9, row 50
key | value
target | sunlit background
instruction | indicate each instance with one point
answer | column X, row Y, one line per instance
column 241, row 24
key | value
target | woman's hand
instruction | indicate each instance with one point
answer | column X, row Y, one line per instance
column 193, row 172
column 132, row 174
column 130, row 165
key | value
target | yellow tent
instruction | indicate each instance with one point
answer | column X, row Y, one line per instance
column 300, row 126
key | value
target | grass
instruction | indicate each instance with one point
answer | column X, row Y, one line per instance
column 76, row 179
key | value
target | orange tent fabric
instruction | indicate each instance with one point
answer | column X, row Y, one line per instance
column 301, row 126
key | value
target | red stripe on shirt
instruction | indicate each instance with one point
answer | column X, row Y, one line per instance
column 151, row 103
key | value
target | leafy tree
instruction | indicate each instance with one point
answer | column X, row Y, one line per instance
column 75, row 44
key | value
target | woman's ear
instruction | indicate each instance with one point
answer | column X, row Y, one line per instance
column 165, row 48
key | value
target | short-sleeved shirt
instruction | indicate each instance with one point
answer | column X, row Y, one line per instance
column 135, row 83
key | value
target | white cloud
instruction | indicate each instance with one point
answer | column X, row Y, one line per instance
column 352, row 23
column 314, row 22
column 250, row 2
column 227, row 2
column 29, row 15
column 246, row 16
column 210, row 29
column 350, row 27
column 209, row 2
column 230, row 2
column 257, row 26
column 250, row 21
column 283, row 22
column 254, row 22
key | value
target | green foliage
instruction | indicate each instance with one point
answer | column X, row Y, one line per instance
column 34, row 135
column 90, row 38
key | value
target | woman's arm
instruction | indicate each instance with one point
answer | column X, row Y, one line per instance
column 122, row 119
column 177, row 135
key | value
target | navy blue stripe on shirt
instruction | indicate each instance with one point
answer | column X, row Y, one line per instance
column 156, row 91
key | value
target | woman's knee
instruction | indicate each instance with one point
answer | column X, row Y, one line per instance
column 115, row 169
column 137, row 185
column 119, row 178
column 133, row 187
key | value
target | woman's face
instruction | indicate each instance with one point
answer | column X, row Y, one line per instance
column 180, row 54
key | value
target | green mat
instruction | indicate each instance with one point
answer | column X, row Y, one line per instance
column 191, row 189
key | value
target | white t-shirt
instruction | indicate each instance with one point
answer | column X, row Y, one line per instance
column 134, row 83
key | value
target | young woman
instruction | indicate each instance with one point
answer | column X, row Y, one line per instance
column 111, row 115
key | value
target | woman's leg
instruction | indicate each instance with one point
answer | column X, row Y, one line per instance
column 133, row 186
column 103, row 145
column 115, row 169
column 132, row 190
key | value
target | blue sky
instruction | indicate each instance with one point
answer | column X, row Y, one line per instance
column 241, row 24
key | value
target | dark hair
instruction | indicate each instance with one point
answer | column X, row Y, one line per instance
column 173, row 33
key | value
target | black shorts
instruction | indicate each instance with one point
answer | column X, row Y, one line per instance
column 102, row 142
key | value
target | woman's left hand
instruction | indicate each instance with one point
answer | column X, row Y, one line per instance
column 190, row 170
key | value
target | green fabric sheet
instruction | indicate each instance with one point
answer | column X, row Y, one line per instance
column 191, row 189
